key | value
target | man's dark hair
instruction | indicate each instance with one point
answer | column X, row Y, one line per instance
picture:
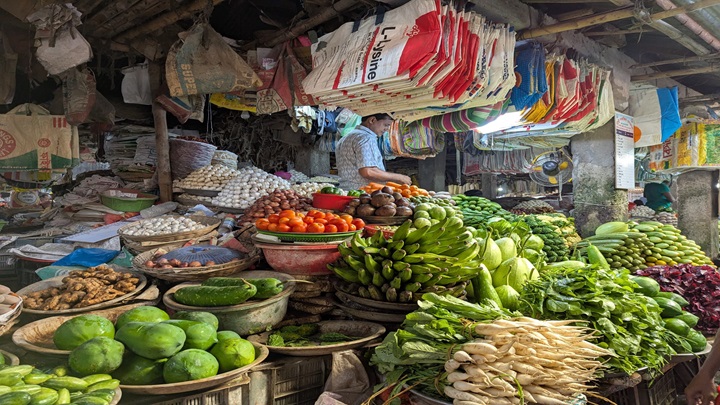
column 379, row 117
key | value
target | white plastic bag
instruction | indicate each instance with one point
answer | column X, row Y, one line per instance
column 70, row 50
column 136, row 84
column 348, row 383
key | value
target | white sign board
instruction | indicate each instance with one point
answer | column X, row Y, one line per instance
column 624, row 152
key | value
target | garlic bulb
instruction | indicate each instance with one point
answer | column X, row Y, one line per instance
column 298, row 177
column 308, row 189
column 163, row 225
column 250, row 184
column 212, row 178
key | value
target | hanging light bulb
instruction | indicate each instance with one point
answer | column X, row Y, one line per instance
column 245, row 115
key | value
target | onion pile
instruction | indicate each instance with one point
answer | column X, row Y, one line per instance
column 323, row 179
column 308, row 189
column 161, row 226
column 213, row 178
column 250, row 184
column 275, row 202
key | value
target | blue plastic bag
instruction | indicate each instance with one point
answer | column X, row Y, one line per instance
column 88, row 257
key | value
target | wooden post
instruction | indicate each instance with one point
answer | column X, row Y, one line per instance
column 675, row 73
column 614, row 15
column 162, row 141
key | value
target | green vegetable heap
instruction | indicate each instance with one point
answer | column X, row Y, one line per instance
column 445, row 202
column 435, row 258
column 305, row 335
column 629, row 323
column 555, row 248
column 670, row 247
column 477, row 210
column 566, row 226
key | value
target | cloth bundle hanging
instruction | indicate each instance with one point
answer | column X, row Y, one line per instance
column 465, row 120
column 282, row 86
column 531, row 69
column 8, row 63
column 417, row 60
column 78, row 94
column 414, row 140
column 656, row 113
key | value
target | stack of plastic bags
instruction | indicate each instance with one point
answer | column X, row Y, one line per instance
column 418, row 60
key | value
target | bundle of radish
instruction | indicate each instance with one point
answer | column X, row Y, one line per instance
column 523, row 360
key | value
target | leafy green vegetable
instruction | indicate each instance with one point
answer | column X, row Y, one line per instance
column 275, row 340
column 334, row 337
column 628, row 322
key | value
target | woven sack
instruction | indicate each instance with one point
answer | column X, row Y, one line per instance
column 189, row 156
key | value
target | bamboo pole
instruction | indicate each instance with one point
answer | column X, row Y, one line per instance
column 700, row 58
column 571, row 15
column 162, row 141
column 706, row 97
column 675, row 73
column 312, row 22
column 618, row 32
column 166, row 19
column 614, row 15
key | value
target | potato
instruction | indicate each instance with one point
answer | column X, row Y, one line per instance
column 386, row 211
column 381, row 199
column 365, row 210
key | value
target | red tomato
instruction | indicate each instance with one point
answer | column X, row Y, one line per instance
column 272, row 227
column 308, row 219
column 287, row 214
column 347, row 218
column 273, row 218
column 322, row 221
column 331, row 228
column 295, row 222
column 342, row 226
column 312, row 213
column 283, row 228
column 359, row 223
column 318, row 214
column 316, row 228
column 283, row 220
column 352, row 228
column 300, row 228
column 262, row 224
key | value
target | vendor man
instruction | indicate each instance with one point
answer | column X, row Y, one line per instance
column 358, row 155
column 658, row 195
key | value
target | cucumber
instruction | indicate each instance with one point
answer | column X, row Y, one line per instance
column 696, row 339
column 266, row 287
column 670, row 308
column 690, row 319
column 23, row 370
column 11, row 379
column 15, row 398
column 46, row 396
column 646, row 286
column 104, row 385
column 71, row 383
column 96, row 378
column 677, row 326
column 29, row 388
column 207, row 296
column 675, row 297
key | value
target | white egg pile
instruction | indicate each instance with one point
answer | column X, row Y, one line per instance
column 298, row 177
column 211, row 178
column 307, row 189
column 161, row 226
column 251, row 184
column 323, row 179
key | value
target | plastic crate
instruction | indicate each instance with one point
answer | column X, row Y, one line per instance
column 290, row 380
column 236, row 392
column 660, row 391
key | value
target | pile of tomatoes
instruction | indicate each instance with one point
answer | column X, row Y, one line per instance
column 312, row 222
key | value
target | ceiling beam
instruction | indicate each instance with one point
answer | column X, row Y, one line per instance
column 618, row 32
column 583, row 12
column 699, row 99
column 562, row 1
column 700, row 58
column 610, row 16
column 322, row 17
column 676, row 73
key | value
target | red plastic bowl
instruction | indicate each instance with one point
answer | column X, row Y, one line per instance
column 371, row 230
column 305, row 260
column 331, row 201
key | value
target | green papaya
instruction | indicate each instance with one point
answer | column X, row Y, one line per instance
column 227, row 334
column 100, row 355
column 78, row 330
column 198, row 335
column 200, row 316
column 152, row 340
column 141, row 314
column 233, row 353
column 188, row 365
column 137, row 370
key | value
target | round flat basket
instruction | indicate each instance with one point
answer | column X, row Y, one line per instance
column 37, row 336
column 57, row 282
column 9, row 319
column 204, row 193
column 261, row 353
column 384, row 220
column 10, row 359
column 310, row 237
column 229, row 210
column 681, row 358
column 363, row 331
column 419, row 398
column 182, row 274
column 372, row 314
column 392, row 306
column 209, row 225
column 191, row 202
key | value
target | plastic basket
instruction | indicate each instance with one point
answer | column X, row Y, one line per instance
column 330, row 201
column 235, row 392
column 290, row 381
column 128, row 204
column 660, row 391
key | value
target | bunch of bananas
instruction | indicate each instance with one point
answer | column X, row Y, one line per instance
column 670, row 247
column 440, row 258
column 555, row 247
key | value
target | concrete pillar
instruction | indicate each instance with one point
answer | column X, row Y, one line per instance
column 431, row 172
column 697, row 202
column 489, row 185
column 312, row 162
column 595, row 197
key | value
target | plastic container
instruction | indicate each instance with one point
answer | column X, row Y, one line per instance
column 660, row 391
column 304, row 260
column 331, row 201
column 127, row 204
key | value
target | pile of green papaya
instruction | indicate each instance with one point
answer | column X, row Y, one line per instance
column 224, row 291
column 145, row 346
column 684, row 339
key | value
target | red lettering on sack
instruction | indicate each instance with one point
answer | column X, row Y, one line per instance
column 44, row 142
column 45, row 160
column 7, row 143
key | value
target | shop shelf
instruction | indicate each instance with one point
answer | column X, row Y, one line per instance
column 290, row 380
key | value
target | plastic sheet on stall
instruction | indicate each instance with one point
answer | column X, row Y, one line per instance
column 656, row 113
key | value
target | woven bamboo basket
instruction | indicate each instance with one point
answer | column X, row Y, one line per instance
column 210, row 225
column 183, row 274
column 140, row 247
column 10, row 359
column 38, row 336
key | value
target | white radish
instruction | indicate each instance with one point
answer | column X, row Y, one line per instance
column 463, row 357
column 479, row 348
column 452, row 365
column 457, row 376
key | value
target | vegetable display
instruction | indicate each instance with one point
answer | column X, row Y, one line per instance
column 622, row 247
column 477, row 210
column 405, row 190
column 164, row 225
column 532, row 207
column 382, row 203
column 438, row 258
column 642, row 211
column 699, row 285
column 542, row 362
column 83, row 288
column 223, row 291
column 211, row 178
column 555, row 247
column 247, row 187
column 314, row 222
column 670, row 246
column 628, row 322
column 274, row 203
column 308, row 189
column 667, row 218
column 305, row 335
column 148, row 348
